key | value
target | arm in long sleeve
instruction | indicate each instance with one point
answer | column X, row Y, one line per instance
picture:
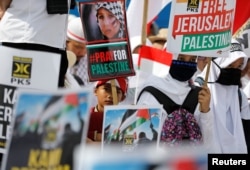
column 206, row 123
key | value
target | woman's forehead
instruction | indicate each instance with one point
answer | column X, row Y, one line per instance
column 103, row 10
column 186, row 56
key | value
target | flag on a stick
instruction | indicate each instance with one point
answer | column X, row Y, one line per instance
column 154, row 61
column 135, row 120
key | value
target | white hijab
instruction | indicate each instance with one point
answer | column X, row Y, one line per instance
column 173, row 88
column 228, row 130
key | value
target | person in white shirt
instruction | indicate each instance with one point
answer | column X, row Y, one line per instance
column 76, row 43
column 228, row 102
column 176, row 86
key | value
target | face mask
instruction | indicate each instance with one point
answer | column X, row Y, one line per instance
column 182, row 70
column 229, row 76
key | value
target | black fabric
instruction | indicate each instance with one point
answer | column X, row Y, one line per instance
column 240, row 98
column 39, row 47
column 246, row 127
column 182, row 70
column 229, row 76
column 57, row 6
column 78, row 79
column 191, row 100
column 72, row 4
column 169, row 105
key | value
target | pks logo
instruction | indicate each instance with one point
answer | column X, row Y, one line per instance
column 128, row 140
column 193, row 5
column 21, row 70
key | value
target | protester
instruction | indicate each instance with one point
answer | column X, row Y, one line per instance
column 77, row 44
column 228, row 103
column 103, row 93
column 176, row 86
column 71, row 81
column 110, row 19
column 144, row 141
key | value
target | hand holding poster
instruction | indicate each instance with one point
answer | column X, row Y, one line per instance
column 201, row 27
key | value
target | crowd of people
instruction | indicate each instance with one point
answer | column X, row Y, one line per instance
column 222, row 110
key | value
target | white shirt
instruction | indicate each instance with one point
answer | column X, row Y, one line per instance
column 228, row 130
column 27, row 21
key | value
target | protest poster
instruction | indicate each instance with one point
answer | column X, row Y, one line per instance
column 26, row 68
column 46, row 128
column 23, row 69
column 131, row 127
column 201, row 28
column 105, row 29
column 7, row 101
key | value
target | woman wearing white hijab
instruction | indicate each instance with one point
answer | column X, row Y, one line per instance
column 176, row 86
column 228, row 108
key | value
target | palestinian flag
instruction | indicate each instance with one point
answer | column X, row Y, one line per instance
column 57, row 106
column 135, row 120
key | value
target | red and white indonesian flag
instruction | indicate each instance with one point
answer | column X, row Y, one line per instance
column 154, row 61
column 135, row 14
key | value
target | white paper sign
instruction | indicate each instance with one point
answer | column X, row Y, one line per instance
column 29, row 69
column 201, row 27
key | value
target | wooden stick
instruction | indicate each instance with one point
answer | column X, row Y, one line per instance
column 143, row 37
column 144, row 22
column 207, row 74
column 207, row 71
column 114, row 92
